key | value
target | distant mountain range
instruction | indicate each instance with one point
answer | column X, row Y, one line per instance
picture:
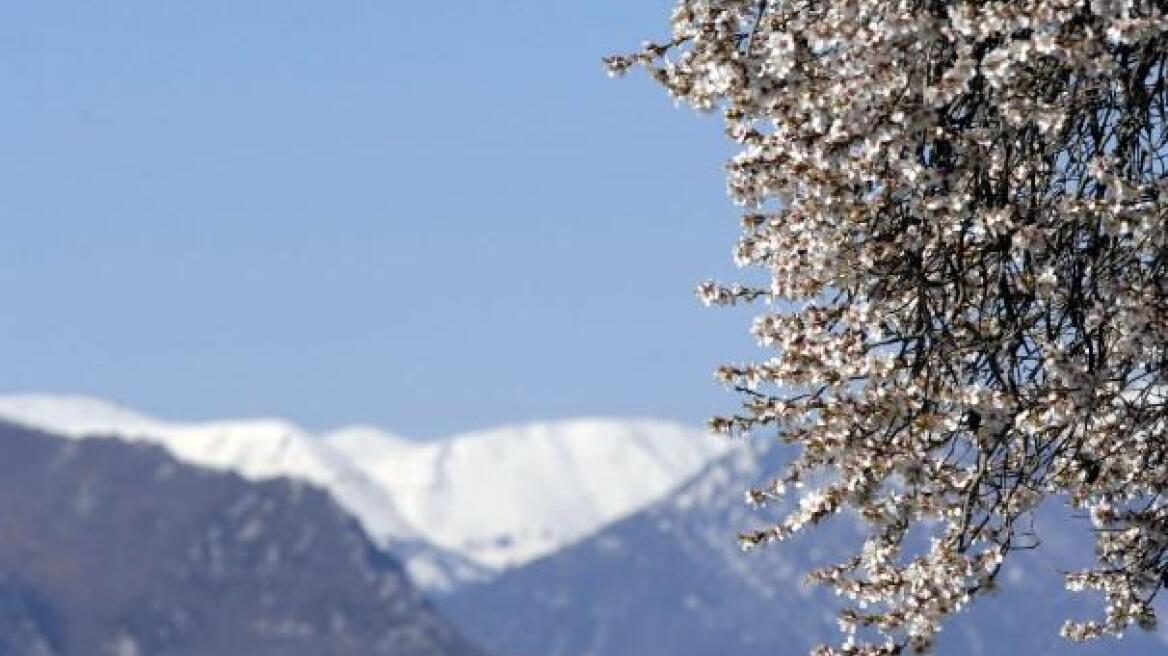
column 576, row 538
column 456, row 510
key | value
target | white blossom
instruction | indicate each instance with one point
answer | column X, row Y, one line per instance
column 960, row 208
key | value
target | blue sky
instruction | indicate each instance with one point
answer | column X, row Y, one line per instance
column 427, row 216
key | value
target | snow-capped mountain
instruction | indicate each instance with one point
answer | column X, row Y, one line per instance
column 254, row 449
column 506, row 496
column 484, row 501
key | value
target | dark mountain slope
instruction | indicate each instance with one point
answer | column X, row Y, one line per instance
column 109, row 548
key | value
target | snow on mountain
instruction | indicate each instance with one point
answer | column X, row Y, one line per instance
column 506, row 496
column 488, row 500
column 254, row 449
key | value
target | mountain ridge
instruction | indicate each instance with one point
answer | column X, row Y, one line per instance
column 484, row 501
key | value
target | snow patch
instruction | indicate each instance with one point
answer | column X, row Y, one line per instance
column 506, row 496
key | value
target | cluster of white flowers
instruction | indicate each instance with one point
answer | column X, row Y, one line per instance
column 962, row 210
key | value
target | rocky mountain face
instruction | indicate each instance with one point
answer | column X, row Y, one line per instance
column 672, row 580
column 116, row 549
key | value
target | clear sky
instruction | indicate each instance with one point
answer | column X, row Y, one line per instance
column 430, row 216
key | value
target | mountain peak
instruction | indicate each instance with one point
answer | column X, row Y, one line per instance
column 73, row 415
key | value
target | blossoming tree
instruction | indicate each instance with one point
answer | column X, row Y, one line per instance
column 961, row 209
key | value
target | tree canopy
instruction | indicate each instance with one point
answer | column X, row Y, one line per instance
column 959, row 208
